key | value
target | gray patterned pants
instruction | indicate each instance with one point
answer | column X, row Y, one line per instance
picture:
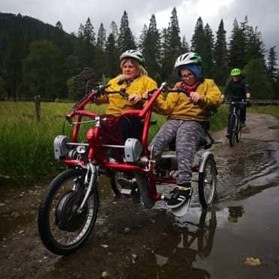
column 187, row 135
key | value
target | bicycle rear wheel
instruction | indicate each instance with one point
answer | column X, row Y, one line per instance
column 207, row 225
column 207, row 179
column 237, row 130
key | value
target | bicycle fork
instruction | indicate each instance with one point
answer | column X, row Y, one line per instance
column 90, row 179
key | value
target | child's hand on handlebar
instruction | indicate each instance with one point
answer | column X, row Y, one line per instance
column 134, row 98
column 146, row 95
column 194, row 97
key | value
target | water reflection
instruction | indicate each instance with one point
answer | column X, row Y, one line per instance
column 250, row 170
column 234, row 213
column 177, row 249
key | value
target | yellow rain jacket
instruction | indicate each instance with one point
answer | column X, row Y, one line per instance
column 116, row 103
column 179, row 106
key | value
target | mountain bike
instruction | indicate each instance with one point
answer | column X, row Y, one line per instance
column 95, row 147
column 234, row 123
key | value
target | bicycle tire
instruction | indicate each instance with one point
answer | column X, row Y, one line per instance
column 114, row 186
column 237, row 129
column 61, row 228
column 232, row 129
column 207, row 179
column 207, row 225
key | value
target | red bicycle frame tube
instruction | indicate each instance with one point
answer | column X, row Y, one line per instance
column 94, row 135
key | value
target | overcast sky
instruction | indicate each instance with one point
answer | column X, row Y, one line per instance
column 71, row 13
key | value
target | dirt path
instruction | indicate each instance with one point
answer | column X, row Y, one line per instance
column 124, row 234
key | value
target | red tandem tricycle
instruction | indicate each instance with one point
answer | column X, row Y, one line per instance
column 68, row 210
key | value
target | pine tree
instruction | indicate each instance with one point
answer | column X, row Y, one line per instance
column 221, row 55
column 86, row 46
column 198, row 38
column 151, row 48
column 101, row 37
column 100, row 55
column 126, row 39
column 112, row 52
column 203, row 43
column 260, row 84
column 208, row 62
column 272, row 71
column 237, row 47
column 255, row 46
column 59, row 25
column 89, row 33
column 172, row 47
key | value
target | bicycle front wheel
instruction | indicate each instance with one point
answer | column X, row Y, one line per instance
column 232, row 129
column 207, row 179
column 62, row 227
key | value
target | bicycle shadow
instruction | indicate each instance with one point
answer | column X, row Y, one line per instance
column 178, row 247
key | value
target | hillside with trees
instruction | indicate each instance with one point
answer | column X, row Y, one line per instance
column 40, row 59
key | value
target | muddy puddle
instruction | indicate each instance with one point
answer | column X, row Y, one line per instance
column 237, row 238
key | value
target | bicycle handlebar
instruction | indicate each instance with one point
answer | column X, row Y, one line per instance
column 164, row 88
column 122, row 92
column 242, row 102
column 99, row 90
column 179, row 90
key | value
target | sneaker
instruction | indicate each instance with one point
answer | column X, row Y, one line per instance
column 179, row 196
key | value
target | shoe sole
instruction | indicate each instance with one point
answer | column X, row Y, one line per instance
column 181, row 204
column 182, row 209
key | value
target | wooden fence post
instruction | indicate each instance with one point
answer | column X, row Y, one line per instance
column 37, row 100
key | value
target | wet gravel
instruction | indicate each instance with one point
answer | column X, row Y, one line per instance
column 238, row 238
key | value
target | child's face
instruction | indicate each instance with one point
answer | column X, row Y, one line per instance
column 188, row 77
column 235, row 78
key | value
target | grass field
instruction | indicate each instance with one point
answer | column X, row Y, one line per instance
column 26, row 145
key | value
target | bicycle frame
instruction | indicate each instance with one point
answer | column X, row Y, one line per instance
column 234, row 126
column 69, row 208
column 98, row 142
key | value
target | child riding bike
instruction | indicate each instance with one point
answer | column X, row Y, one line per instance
column 186, row 115
column 237, row 89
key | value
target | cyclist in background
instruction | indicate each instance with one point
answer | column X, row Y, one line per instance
column 237, row 89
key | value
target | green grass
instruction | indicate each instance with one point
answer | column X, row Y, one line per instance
column 271, row 110
column 26, row 146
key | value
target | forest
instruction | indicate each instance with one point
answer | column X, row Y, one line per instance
column 41, row 59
